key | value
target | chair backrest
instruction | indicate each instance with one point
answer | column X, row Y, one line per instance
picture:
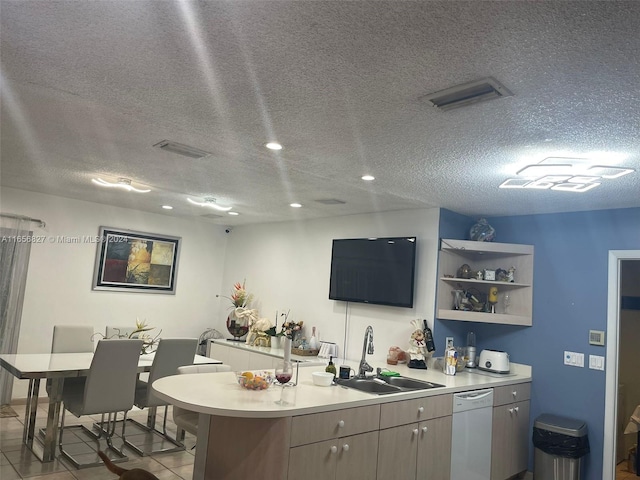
column 119, row 332
column 72, row 339
column 171, row 354
column 111, row 382
column 204, row 368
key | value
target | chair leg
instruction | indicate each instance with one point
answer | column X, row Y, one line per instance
column 151, row 427
column 108, row 433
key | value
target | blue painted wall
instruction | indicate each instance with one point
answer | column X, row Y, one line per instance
column 569, row 298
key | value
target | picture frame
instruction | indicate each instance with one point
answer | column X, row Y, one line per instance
column 132, row 261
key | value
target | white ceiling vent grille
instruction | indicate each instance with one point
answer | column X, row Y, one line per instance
column 467, row 93
column 211, row 216
column 330, row 201
column 181, row 149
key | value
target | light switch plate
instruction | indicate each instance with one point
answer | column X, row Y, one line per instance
column 596, row 362
column 574, row 359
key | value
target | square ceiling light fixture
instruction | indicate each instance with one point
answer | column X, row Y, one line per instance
column 564, row 174
column 467, row 94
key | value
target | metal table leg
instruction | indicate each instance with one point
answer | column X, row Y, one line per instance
column 30, row 412
column 53, row 420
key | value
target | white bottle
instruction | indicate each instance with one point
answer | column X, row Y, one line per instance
column 313, row 341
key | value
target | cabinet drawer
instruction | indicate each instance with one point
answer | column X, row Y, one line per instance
column 324, row 426
column 410, row 411
column 511, row 393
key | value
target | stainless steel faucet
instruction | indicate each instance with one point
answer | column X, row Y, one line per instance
column 367, row 347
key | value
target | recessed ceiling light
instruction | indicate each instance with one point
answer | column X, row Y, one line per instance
column 210, row 202
column 233, row 213
column 273, row 146
column 167, row 207
column 295, row 205
column 368, row 178
column 123, row 183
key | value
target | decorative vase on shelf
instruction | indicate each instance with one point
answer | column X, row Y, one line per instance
column 237, row 325
column 287, row 349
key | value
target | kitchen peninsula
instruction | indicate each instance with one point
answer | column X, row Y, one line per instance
column 335, row 432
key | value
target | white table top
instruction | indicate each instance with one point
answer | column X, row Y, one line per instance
column 220, row 394
column 49, row 365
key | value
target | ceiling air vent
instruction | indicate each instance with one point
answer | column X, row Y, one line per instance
column 181, row 149
column 330, row 201
column 467, row 93
column 211, row 216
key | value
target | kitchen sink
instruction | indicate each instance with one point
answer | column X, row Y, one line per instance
column 410, row 383
column 384, row 385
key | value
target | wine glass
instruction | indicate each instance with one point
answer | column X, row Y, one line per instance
column 284, row 372
column 506, row 301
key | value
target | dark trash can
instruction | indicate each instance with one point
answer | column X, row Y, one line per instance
column 560, row 446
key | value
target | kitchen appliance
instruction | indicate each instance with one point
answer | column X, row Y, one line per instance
column 471, row 435
column 471, row 350
column 495, row 361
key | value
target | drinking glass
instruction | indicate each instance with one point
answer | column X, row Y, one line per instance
column 284, row 372
column 506, row 301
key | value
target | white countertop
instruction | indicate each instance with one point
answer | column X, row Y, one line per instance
column 220, row 394
column 272, row 351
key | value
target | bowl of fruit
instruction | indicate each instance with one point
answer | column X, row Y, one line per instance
column 255, row 380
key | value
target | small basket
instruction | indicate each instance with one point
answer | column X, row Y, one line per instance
column 307, row 352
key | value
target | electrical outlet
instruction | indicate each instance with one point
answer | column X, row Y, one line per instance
column 449, row 342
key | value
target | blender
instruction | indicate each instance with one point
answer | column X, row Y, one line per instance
column 471, row 350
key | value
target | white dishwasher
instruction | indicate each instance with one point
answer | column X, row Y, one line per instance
column 471, row 435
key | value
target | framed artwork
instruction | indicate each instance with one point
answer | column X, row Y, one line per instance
column 130, row 261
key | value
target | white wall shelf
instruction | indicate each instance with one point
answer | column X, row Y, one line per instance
column 491, row 256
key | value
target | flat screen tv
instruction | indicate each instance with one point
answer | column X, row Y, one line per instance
column 373, row 270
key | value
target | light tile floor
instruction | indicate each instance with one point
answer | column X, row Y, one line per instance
column 18, row 462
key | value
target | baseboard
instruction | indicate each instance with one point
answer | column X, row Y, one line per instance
column 528, row 476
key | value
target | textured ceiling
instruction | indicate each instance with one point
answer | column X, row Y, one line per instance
column 89, row 87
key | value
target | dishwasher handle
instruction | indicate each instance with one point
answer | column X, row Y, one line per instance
column 475, row 395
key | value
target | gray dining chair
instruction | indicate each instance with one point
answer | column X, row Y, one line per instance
column 170, row 354
column 71, row 339
column 109, row 389
column 118, row 332
column 187, row 420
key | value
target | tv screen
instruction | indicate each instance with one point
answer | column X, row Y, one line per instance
column 373, row 270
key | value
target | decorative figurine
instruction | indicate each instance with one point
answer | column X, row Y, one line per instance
column 511, row 274
column 464, row 271
column 418, row 347
column 482, row 231
column 493, row 298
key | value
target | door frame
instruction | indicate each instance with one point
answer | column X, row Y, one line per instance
column 611, row 382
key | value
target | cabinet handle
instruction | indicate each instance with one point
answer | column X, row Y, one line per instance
column 514, row 393
column 511, row 411
column 424, row 429
column 334, row 449
column 516, row 409
column 420, row 409
column 415, row 431
column 345, row 447
column 341, row 423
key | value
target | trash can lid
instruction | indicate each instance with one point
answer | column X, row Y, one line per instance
column 565, row 425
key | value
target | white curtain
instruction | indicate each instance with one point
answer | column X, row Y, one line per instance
column 14, row 259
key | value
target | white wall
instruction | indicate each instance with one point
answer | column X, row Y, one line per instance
column 58, row 289
column 287, row 266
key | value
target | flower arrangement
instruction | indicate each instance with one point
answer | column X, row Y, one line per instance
column 289, row 328
column 240, row 298
column 149, row 343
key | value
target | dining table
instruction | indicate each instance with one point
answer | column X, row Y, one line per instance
column 56, row 367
